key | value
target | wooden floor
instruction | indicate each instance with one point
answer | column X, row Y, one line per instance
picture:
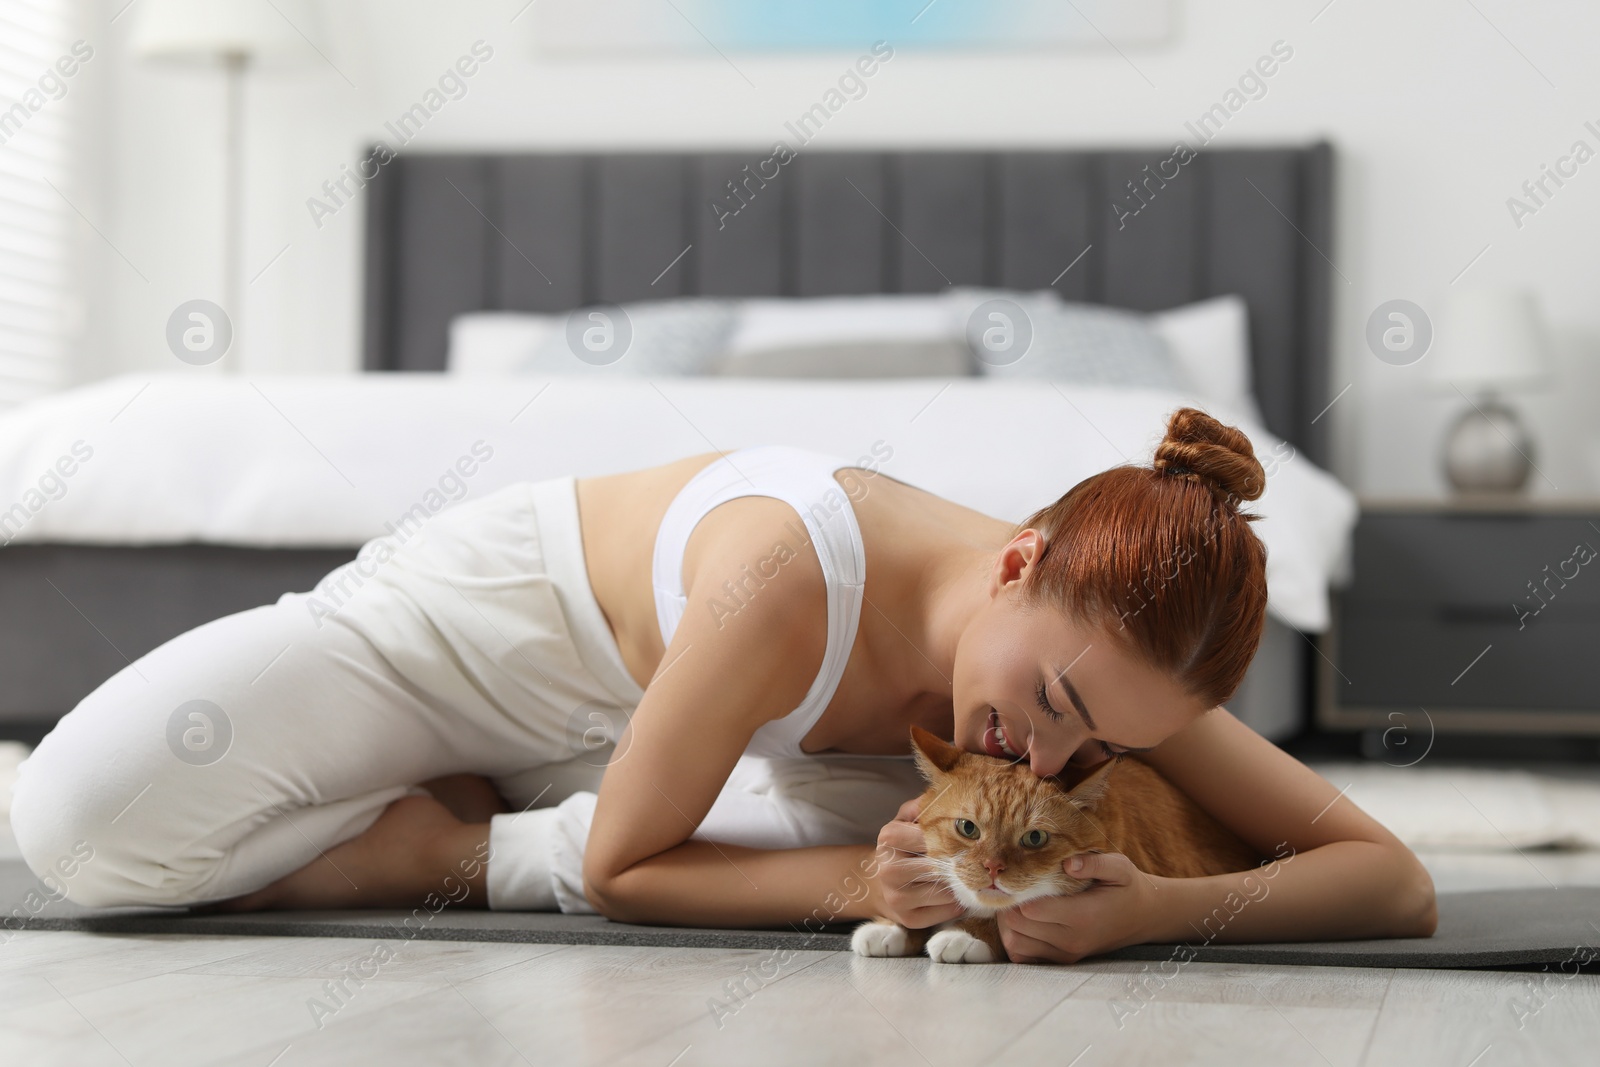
column 85, row 1000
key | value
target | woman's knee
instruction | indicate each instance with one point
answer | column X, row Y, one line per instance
column 93, row 866
column 90, row 845
column 56, row 840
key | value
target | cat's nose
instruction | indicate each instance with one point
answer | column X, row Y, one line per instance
column 994, row 867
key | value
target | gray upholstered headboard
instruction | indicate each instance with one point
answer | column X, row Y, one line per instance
column 453, row 233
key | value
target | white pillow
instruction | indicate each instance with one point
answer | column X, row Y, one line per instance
column 778, row 323
column 496, row 343
column 880, row 336
column 648, row 338
column 1090, row 344
column 1210, row 341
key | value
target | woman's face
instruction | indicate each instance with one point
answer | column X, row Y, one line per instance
column 1032, row 684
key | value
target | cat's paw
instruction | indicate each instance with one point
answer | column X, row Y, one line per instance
column 958, row 946
column 879, row 939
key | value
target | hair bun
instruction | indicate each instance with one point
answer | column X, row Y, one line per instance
column 1218, row 456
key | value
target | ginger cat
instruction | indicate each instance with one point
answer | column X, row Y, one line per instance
column 998, row 835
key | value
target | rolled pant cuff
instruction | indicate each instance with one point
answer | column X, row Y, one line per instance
column 536, row 858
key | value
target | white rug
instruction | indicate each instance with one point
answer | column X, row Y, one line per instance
column 1473, row 809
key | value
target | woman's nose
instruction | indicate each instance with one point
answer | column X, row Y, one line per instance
column 1048, row 758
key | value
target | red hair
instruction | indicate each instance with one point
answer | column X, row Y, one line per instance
column 1163, row 557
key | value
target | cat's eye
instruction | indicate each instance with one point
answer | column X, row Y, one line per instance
column 967, row 828
column 1034, row 839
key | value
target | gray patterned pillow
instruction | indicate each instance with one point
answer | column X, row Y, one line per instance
column 1036, row 335
column 656, row 338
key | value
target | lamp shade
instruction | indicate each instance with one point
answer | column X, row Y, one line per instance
column 279, row 33
column 1491, row 338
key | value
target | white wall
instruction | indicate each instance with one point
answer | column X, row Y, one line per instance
column 1438, row 116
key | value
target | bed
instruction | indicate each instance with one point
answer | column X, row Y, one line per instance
column 204, row 496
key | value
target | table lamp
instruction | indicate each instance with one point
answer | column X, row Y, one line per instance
column 1490, row 341
column 235, row 35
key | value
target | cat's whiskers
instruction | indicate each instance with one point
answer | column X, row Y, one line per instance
column 947, row 867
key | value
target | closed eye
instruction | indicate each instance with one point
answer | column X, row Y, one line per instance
column 1042, row 695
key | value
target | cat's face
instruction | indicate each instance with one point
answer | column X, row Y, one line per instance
column 997, row 833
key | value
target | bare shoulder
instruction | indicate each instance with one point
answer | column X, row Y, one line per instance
column 752, row 580
column 751, row 562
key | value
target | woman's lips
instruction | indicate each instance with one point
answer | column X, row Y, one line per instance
column 995, row 741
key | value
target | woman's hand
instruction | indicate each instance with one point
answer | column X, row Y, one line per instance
column 1119, row 909
column 906, row 891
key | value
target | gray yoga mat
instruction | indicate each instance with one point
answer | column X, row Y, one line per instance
column 1521, row 928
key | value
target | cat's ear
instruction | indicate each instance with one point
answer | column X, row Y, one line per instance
column 1087, row 794
column 934, row 757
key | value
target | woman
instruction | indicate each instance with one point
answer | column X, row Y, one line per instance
column 770, row 601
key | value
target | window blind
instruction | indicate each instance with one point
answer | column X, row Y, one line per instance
column 39, row 296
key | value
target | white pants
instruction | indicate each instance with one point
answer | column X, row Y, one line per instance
column 240, row 751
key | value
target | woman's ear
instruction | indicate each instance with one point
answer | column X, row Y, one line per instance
column 934, row 756
column 1019, row 554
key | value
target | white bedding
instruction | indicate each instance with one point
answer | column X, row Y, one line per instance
column 330, row 461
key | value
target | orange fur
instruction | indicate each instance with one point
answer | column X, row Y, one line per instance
column 1123, row 806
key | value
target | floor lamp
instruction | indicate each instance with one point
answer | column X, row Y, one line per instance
column 235, row 35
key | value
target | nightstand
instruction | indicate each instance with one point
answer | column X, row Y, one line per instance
column 1474, row 616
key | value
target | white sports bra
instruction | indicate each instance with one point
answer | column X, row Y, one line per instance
column 804, row 481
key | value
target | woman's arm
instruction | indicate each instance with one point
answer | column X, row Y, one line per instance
column 1276, row 803
column 701, row 883
column 724, row 674
column 1336, row 873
